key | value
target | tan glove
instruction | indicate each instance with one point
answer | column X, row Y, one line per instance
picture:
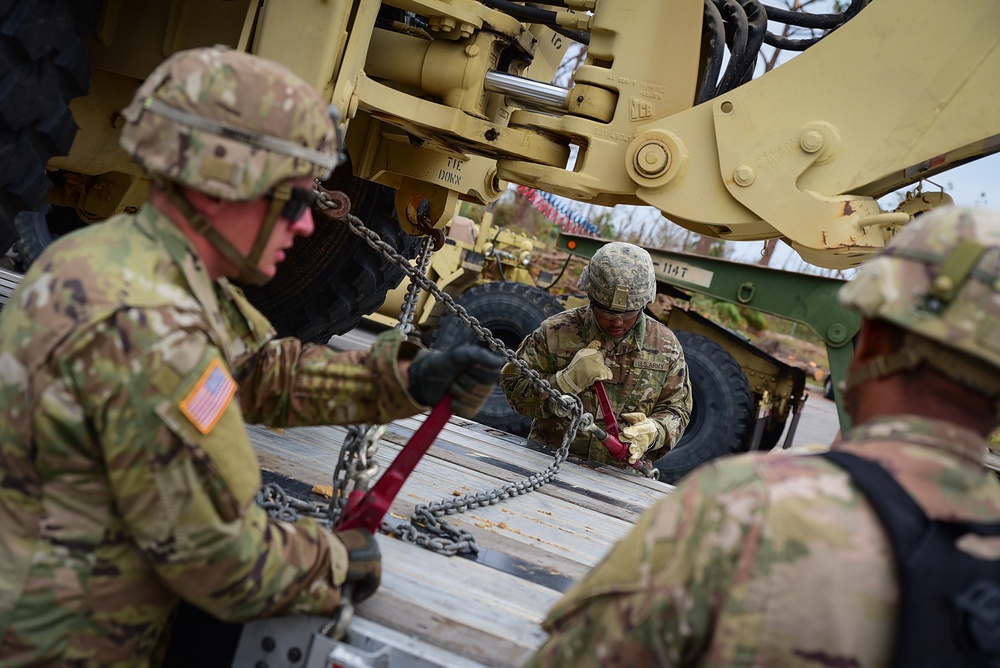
column 641, row 435
column 587, row 366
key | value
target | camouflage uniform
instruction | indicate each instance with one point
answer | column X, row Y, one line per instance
column 123, row 487
column 127, row 373
column 650, row 377
column 768, row 560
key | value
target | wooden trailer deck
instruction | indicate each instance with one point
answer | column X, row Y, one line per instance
column 534, row 545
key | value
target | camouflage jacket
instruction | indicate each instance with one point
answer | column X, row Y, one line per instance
column 650, row 377
column 770, row 561
column 127, row 479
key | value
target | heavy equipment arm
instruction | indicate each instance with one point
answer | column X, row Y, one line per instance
column 901, row 91
column 444, row 100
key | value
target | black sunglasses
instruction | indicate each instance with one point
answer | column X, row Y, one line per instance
column 298, row 202
column 607, row 313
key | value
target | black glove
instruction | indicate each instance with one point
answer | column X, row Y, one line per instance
column 467, row 373
column 364, row 566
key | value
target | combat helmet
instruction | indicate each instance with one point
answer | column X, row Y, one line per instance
column 234, row 126
column 620, row 276
column 939, row 280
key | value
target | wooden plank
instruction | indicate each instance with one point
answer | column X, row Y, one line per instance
column 474, row 610
column 581, row 507
column 459, row 605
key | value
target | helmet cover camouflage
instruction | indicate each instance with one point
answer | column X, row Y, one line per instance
column 229, row 124
column 938, row 278
column 620, row 276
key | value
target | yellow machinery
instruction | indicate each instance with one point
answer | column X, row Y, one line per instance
column 443, row 100
column 473, row 253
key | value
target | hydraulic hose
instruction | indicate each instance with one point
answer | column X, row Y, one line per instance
column 737, row 31
column 757, row 31
column 531, row 14
column 716, row 52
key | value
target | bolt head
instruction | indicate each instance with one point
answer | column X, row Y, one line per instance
column 652, row 159
column 744, row 175
column 811, row 141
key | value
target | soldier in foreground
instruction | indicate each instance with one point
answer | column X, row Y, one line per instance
column 884, row 551
column 129, row 366
column 638, row 359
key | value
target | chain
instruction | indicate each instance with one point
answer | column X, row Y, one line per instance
column 273, row 498
column 356, row 467
column 355, row 470
column 355, row 464
column 413, row 290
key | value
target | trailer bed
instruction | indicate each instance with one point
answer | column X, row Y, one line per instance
column 533, row 546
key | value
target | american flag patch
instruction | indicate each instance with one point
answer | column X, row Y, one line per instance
column 208, row 400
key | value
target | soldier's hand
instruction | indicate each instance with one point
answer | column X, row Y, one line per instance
column 467, row 373
column 364, row 566
column 640, row 435
column 586, row 367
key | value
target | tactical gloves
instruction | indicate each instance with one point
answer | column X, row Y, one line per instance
column 641, row 435
column 587, row 366
column 467, row 373
column 364, row 566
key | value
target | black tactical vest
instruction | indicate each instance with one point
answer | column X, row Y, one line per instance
column 949, row 600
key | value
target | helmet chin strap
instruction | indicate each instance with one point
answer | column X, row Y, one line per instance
column 246, row 265
column 916, row 351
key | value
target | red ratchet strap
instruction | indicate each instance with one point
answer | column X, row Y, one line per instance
column 615, row 447
column 607, row 412
column 366, row 509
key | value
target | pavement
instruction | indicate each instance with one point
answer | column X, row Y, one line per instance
column 819, row 423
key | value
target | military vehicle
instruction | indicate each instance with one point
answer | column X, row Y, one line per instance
column 448, row 100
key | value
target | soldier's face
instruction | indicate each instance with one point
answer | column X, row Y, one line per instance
column 241, row 222
column 284, row 233
column 614, row 324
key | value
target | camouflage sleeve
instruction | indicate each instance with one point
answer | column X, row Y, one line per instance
column 521, row 394
column 672, row 410
column 655, row 599
column 184, row 476
column 289, row 383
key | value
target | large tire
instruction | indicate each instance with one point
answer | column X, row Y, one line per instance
column 331, row 279
column 511, row 311
column 722, row 413
column 44, row 63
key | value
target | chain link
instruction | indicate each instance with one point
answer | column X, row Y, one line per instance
column 413, row 290
column 355, row 467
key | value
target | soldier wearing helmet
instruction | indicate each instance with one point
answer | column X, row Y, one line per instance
column 882, row 551
column 611, row 340
column 129, row 366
